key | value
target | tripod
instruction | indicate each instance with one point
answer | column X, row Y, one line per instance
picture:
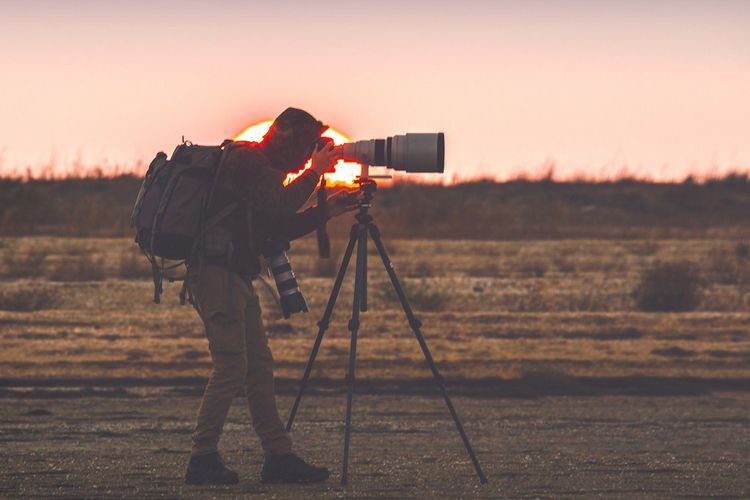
column 358, row 235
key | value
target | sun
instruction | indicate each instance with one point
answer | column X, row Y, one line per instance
column 346, row 171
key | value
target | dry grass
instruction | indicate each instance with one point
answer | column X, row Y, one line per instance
column 485, row 268
column 574, row 275
column 85, row 267
column 133, row 265
column 645, row 248
column 729, row 266
column 484, row 314
column 564, row 265
column 21, row 262
column 519, row 209
column 534, row 268
column 27, row 297
column 421, row 295
column 669, row 286
column 420, row 269
column 326, row 268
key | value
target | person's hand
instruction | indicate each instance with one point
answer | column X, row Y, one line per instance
column 341, row 202
column 324, row 159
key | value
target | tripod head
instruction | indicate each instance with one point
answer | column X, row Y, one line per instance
column 367, row 187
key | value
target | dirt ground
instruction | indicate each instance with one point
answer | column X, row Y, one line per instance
column 402, row 446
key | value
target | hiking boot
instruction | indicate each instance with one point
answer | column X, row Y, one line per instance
column 209, row 469
column 289, row 468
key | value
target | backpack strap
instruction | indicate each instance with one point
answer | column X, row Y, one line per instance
column 158, row 279
column 225, row 147
column 324, row 243
column 186, row 294
column 222, row 213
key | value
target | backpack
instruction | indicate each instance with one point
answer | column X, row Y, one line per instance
column 169, row 214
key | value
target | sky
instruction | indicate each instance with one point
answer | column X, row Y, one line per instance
column 658, row 89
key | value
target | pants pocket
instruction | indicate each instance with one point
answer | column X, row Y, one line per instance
column 221, row 304
column 225, row 334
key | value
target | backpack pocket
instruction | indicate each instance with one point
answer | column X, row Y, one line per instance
column 147, row 200
column 178, row 218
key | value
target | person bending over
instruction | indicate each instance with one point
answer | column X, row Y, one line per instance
column 223, row 294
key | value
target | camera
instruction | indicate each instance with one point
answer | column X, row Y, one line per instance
column 416, row 153
column 291, row 298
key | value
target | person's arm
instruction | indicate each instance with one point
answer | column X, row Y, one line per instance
column 294, row 195
column 305, row 222
column 297, row 192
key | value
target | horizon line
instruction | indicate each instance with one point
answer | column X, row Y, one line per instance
column 547, row 173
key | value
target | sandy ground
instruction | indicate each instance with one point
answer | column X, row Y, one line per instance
column 402, row 446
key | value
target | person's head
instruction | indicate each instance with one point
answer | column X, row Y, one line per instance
column 292, row 138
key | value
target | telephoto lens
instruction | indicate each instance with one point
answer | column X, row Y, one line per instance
column 292, row 300
column 416, row 153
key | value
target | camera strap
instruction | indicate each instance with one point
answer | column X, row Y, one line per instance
column 324, row 243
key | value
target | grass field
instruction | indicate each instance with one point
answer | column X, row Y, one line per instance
column 491, row 310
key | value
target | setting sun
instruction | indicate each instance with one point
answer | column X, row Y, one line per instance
column 346, row 172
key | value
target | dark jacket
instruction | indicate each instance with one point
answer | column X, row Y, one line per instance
column 266, row 208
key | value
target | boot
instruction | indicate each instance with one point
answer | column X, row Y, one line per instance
column 209, row 469
column 289, row 468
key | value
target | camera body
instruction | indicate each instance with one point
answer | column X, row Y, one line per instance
column 291, row 298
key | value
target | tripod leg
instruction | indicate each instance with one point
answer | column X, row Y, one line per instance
column 415, row 325
column 363, row 288
column 354, row 329
column 323, row 324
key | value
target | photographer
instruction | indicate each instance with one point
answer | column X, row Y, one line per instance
column 222, row 290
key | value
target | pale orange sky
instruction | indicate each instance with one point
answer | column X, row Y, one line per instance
column 658, row 89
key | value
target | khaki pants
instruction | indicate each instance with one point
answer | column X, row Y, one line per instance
column 242, row 361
